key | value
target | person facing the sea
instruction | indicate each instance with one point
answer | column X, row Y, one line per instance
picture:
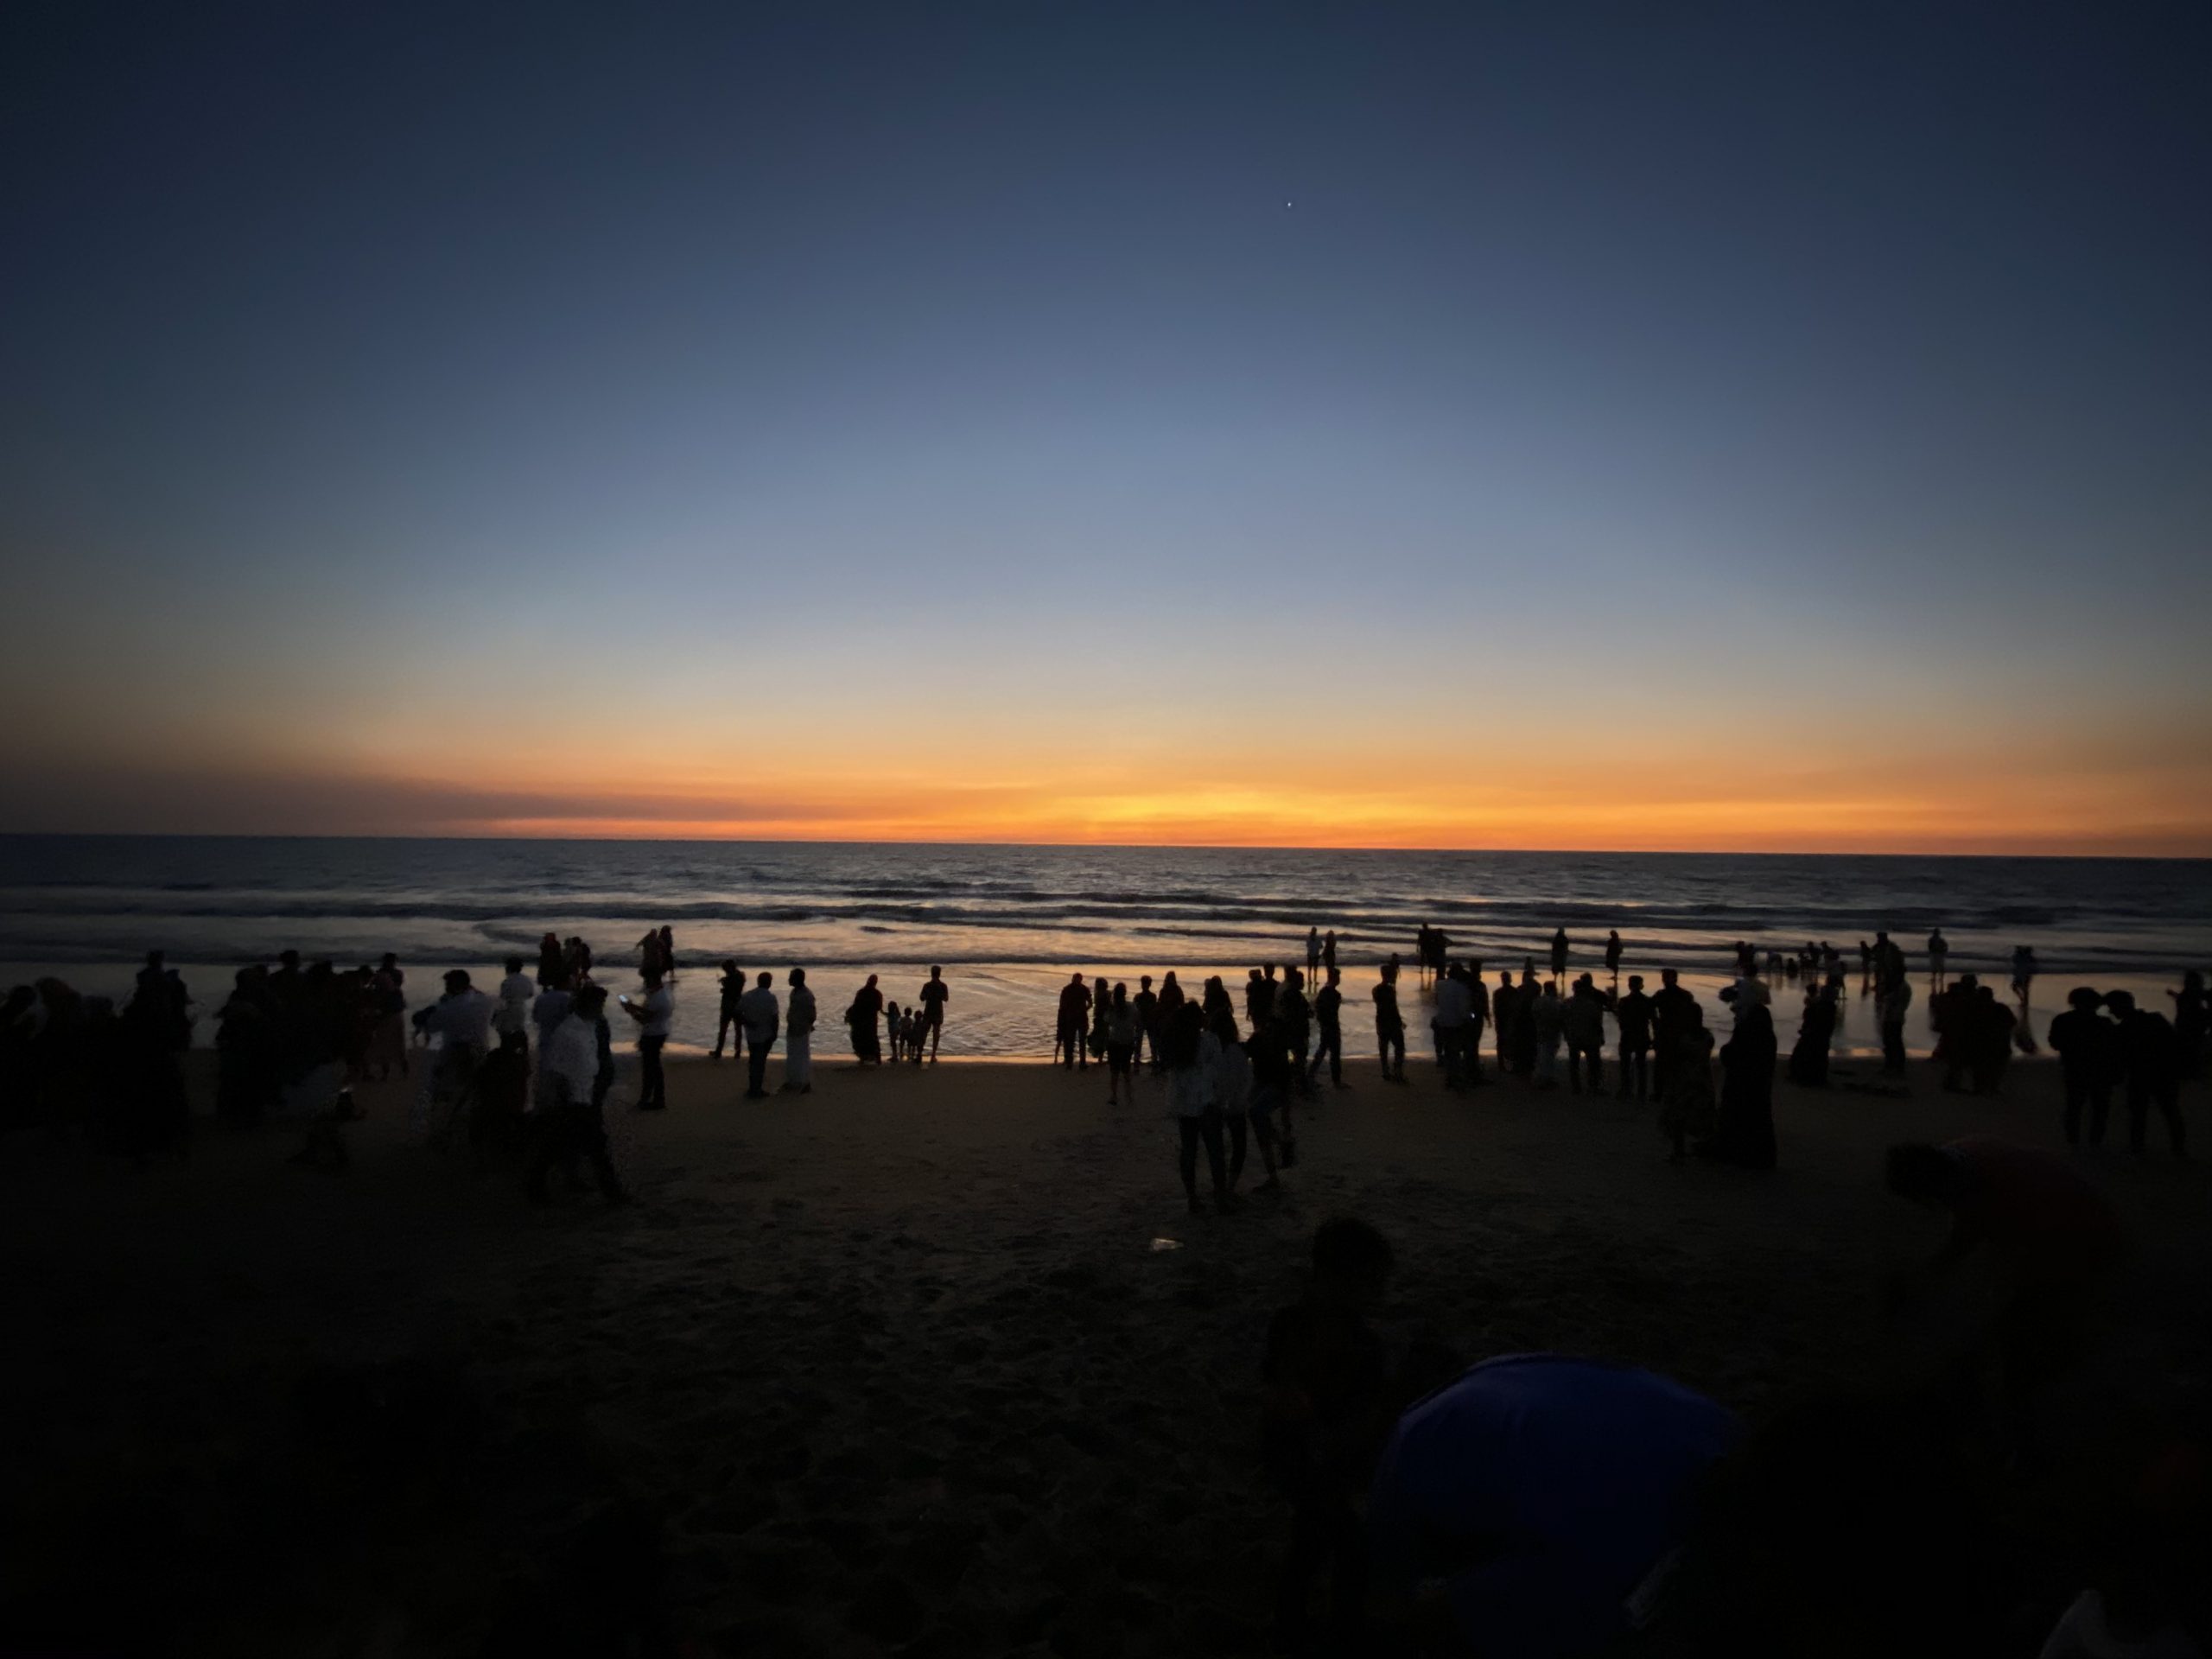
column 1939, row 949
column 1613, row 953
column 2024, row 971
column 1124, row 1031
column 1454, row 1004
column 1389, row 1025
column 1585, row 1019
column 859, row 1021
column 2149, row 1059
column 1329, row 951
column 1071, row 1038
column 1743, row 1132
column 1235, row 1098
column 1672, row 1011
column 1559, row 953
column 1191, row 1051
column 763, row 1020
column 1808, row 1059
column 654, row 1013
column 935, row 994
column 2087, row 1046
column 1147, row 1003
column 1547, row 1025
column 1891, row 1003
column 729, row 1020
column 1312, row 952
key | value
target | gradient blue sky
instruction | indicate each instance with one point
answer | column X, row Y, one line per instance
column 1714, row 426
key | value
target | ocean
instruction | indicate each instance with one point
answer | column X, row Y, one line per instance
column 1009, row 923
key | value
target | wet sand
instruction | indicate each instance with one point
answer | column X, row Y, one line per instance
column 901, row 1366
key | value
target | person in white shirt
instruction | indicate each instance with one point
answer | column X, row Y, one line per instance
column 462, row 1021
column 1191, row 1052
column 654, row 1013
column 758, row 1009
column 566, row 1119
column 1455, row 1006
column 799, row 1037
column 517, row 992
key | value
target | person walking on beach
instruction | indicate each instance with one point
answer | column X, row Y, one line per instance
column 1389, row 1025
column 763, row 1020
column 1559, row 953
column 1613, row 954
column 655, row 1014
column 1585, row 1020
column 729, row 1021
column 935, row 994
column 1632, row 1013
column 1191, row 1051
column 1074, row 1033
column 799, row 1037
column 1328, row 1019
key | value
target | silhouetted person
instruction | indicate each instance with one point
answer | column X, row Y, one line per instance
column 799, row 1036
column 1454, row 1003
column 1389, row 1025
column 1505, row 1020
column 1124, row 1032
column 1613, row 953
column 861, row 1018
column 1547, row 1018
column 668, row 952
column 1892, row 1004
column 1744, row 1135
column 1189, row 1047
column 1939, row 950
column 1585, row 1019
column 1235, row 1090
column 1313, row 953
column 1990, row 1026
column 461, row 1020
column 1559, row 953
column 1147, row 1002
column 1477, row 1021
column 2087, row 1046
column 247, row 1071
column 1329, row 951
column 1075, row 1024
column 1951, row 1015
column 576, row 1068
column 2151, row 1061
column 763, row 1021
column 2192, row 1023
column 1328, row 1020
column 1683, row 1075
column 1214, row 1003
column 935, row 994
column 1808, row 1060
column 728, row 1021
column 550, row 971
column 654, row 1013
column 1632, row 1012
column 1101, row 1006
column 2024, row 972
column 1325, row 1412
column 1293, row 1016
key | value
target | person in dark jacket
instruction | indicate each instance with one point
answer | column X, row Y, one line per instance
column 2087, row 1046
column 1632, row 1013
column 1745, row 1134
column 2150, row 1059
column 1808, row 1060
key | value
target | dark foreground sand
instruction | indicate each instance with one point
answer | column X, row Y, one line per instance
column 895, row 1367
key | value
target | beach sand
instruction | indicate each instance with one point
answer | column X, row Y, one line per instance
column 905, row 1365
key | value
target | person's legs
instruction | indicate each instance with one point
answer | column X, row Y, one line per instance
column 1336, row 1037
column 2167, row 1097
column 1236, row 1124
column 653, row 1094
column 1187, row 1129
column 1595, row 1057
column 798, row 1061
column 1574, row 1068
column 2100, row 1109
column 1209, row 1131
column 590, row 1139
column 1394, row 1054
column 722, row 1024
column 2077, row 1097
column 756, row 1065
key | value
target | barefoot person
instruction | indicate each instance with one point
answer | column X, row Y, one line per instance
column 1124, row 1031
column 799, row 1037
column 654, row 1012
column 763, row 1020
column 935, row 994
column 1389, row 1025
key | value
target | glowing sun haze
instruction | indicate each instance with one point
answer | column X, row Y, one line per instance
column 1741, row 430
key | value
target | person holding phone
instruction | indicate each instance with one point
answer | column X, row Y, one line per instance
column 654, row 1013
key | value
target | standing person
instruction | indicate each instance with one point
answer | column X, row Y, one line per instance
column 461, row 1020
column 550, row 970
column 1744, row 1133
column 1073, row 1031
column 1313, row 953
column 1147, row 1002
column 1478, row 1018
column 799, row 1037
column 1939, row 949
column 654, row 1013
column 388, row 1035
column 1989, row 1037
column 2150, row 1060
column 1506, row 1017
column 649, row 963
column 1214, row 1003
column 894, row 1034
column 1389, row 1025
column 568, row 1117
column 1547, row 1025
column 1559, row 953
column 860, row 1019
column 1328, row 1018
column 1259, row 996
column 1454, row 1004
column 2192, row 1023
column 1329, row 951
column 668, row 952
column 1584, row 1019
column 1294, row 1017
column 1233, row 1097
column 1191, row 1050
column 763, row 1020
column 729, row 1022
column 1124, row 1032
column 1891, row 1003
column 935, row 994
column 517, row 992
column 1684, row 1078
column 1101, row 1006
column 1808, row 1060
column 2023, row 973
column 2088, row 1047
column 1613, row 954
column 1671, row 1008
column 1632, row 1013
column 1525, row 1038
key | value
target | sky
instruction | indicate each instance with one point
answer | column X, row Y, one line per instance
column 1727, row 427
